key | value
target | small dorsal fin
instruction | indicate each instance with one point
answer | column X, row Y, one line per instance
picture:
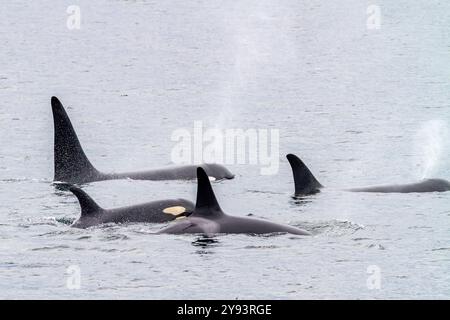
column 206, row 204
column 305, row 182
column 88, row 206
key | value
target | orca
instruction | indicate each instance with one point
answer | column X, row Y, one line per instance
column 208, row 218
column 156, row 211
column 306, row 183
column 72, row 165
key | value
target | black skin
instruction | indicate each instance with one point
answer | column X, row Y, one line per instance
column 151, row 212
column 72, row 165
column 208, row 218
column 306, row 183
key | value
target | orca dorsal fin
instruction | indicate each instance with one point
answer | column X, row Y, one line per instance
column 206, row 204
column 71, row 163
column 87, row 204
column 304, row 180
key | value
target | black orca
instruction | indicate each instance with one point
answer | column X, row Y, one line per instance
column 208, row 218
column 73, row 167
column 306, row 183
column 156, row 211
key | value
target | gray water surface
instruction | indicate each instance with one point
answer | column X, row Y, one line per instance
column 359, row 106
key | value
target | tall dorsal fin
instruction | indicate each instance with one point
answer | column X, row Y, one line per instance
column 206, row 204
column 88, row 206
column 305, row 182
column 71, row 163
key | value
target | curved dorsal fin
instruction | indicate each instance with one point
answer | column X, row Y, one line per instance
column 206, row 204
column 304, row 180
column 71, row 163
column 88, row 206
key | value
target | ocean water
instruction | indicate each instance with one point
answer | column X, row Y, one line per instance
column 359, row 105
